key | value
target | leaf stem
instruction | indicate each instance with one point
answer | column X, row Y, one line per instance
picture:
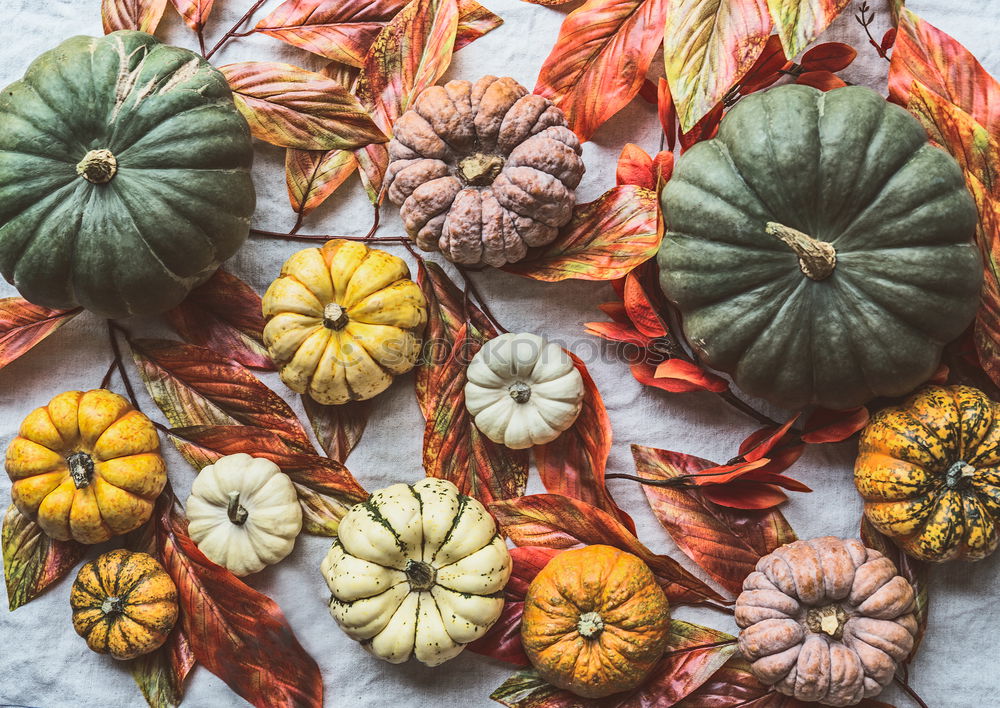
column 106, row 381
column 909, row 691
column 235, row 28
column 470, row 288
column 375, row 222
column 112, row 328
column 715, row 606
column 292, row 236
column 698, row 647
column 865, row 21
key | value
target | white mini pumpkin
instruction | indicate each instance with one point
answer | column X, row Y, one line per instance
column 523, row 391
column 417, row 570
column 243, row 513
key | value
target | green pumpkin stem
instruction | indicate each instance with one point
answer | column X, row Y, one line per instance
column 98, row 166
column 817, row 259
column 237, row 513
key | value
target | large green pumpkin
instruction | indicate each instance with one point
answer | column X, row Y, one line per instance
column 819, row 248
column 124, row 175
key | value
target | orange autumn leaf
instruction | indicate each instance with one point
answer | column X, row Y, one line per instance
column 292, row 107
column 23, row 325
column 822, row 80
column 709, row 45
column 194, row 12
column 635, row 167
column 604, row 240
column 680, row 376
column 141, row 15
column 666, row 111
column 312, row 176
column 799, row 22
column 600, row 59
column 31, row 560
column 829, row 56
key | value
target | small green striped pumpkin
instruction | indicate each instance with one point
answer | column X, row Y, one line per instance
column 819, row 248
column 124, row 175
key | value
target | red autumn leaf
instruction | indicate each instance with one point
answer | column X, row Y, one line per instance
column 725, row 474
column 600, row 59
column 726, row 543
column 829, row 56
column 827, row 426
column 823, row 80
column 605, row 239
column 746, row 495
column 680, row 376
column 194, row 385
column 141, row 15
column 617, row 332
column 556, row 521
column 648, row 92
column 573, row 464
column 705, row 129
column 924, row 53
column 373, row 161
column 915, row 571
column 194, row 12
column 31, row 560
column 734, row 686
column 325, row 487
column 767, row 68
column 888, row 40
column 313, row 175
column 762, row 442
column 782, row 446
column 411, row 52
column 454, row 449
column 338, row 428
column 23, row 325
column 663, row 168
column 799, row 22
column 667, row 112
column 635, row 167
column 235, row 632
column 640, row 308
column 291, row 107
column 224, row 314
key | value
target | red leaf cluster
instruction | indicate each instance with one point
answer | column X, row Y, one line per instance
column 23, row 325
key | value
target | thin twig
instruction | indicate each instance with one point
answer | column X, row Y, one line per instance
column 106, row 381
column 235, row 28
column 112, row 328
column 865, row 21
column 298, row 222
column 739, row 404
column 471, row 289
column 378, row 215
column 399, row 240
column 698, row 647
column 201, row 40
column 909, row 691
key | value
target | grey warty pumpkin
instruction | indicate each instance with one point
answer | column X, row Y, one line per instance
column 819, row 248
column 124, row 175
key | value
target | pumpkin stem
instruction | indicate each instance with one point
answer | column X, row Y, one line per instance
column 480, row 169
column 113, row 606
column 519, row 391
column 334, row 317
column 590, row 625
column 98, row 166
column 422, row 576
column 237, row 514
column 81, row 469
column 957, row 472
column 829, row 620
column 817, row 259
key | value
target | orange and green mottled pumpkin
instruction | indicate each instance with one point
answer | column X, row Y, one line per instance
column 929, row 471
column 595, row 621
column 124, row 604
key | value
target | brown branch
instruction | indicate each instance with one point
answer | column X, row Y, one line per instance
column 378, row 215
column 865, row 21
column 698, row 647
column 909, row 691
column 235, row 28
column 112, row 328
column 470, row 288
column 106, row 381
column 292, row 236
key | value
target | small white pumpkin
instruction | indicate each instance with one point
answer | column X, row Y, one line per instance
column 243, row 513
column 417, row 570
column 523, row 391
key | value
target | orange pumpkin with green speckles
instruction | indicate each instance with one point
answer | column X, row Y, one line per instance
column 86, row 466
column 124, row 604
column 929, row 472
column 595, row 621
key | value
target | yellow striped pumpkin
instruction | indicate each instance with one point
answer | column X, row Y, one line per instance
column 929, row 471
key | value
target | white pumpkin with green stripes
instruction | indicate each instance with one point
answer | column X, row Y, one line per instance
column 417, row 570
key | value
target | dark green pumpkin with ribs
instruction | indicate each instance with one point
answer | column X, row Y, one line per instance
column 819, row 248
column 124, row 175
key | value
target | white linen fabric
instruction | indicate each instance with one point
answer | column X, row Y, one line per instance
column 44, row 663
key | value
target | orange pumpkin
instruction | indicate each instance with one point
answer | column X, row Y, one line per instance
column 595, row 621
column 124, row 604
column 86, row 466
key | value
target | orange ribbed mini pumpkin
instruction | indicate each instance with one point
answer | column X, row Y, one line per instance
column 595, row 621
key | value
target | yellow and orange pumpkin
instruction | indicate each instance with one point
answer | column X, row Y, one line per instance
column 929, row 471
column 86, row 466
column 124, row 604
column 595, row 621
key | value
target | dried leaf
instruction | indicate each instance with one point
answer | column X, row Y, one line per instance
column 681, row 376
column 705, row 129
column 987, row 327
column 291, row 107
column 726, row 543
column 734, row 686
column 373, row 161
column 829, row 56
column 31, row 560
column 313, row 175
column 237, row 633
column 142, row 15
column 474, row 21
column 605, row 240
column 666, row 111
column 709, row 45
column 454, row 449
column 338, row 428
column 799, row 22
column 23, row 325
column 326, row 488
column 573, row 464
column 827, row 426
column 749, row 496
column 822, row 80
column 600, row 59
column 635, row 167
column 556, row 521
column 194, row 12
column 224, row 314
column 767, row 69
column 410, row 53
column 193, row 385
column 924, row 53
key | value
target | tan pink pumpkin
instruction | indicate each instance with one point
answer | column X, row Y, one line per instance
column 826, row 620
column 483, row 171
